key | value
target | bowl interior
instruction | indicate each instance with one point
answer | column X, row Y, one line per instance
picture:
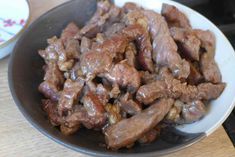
column 25, row 74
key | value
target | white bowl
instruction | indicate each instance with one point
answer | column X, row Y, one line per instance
column 14, row 18
column 220, row 108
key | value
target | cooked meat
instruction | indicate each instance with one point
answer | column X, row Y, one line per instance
column 105, row 13
column 149, row 136
column 98, row 20
column 69, row 32
column 69, row 130
column 119, row 42
column 129, row 130
column 69, row 95
column 183, row 113
column 125, row 76
column 94, row 62
column 195, row 77
column 114, row 29
column 72, row 49
column 207, row 39
column 171, row 87
column 102, row 93
column 130, row 55
column 129, row 72
column 130, row 6
column 193, row 111
column 128, row 105
column 210, row 69
column 50, row 53
column 49, row 90
column 164, row 47
column 93, row 104
column 85, row 44
column 50, row 107
column 174, row 115
column 188, row 43
column 147, row 77
column 114, row 113
column 114, row 93
column 174, row 17
column 53, row 80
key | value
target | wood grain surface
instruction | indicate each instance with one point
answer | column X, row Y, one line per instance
column 19, row 139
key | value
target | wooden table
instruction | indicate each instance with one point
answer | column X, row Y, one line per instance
column 19, row 139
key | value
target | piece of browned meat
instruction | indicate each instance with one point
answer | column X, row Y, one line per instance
column 69, row 32
column 113, row 113
column 174, row 16
column 119, row 42
column 94, row 62
column 130, row 54
column 50, row 107
column 72, row 49
column 85, row 45
column 183, row 113
column 124, row 75
column 195, row 77
column 114, row 29
column 129, row 130
column 95, row 109
column 188, row 43
column 105, row 14
column 147, row 77
column 149, row 136
column 164, row 47
column 129, row 105
column 209, row 67
column 193, row 111
column 171, row 87
column 69, row 95
column 207, row 39
column 91, row 115
column 53, row 80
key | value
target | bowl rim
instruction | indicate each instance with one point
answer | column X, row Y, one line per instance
column 17, row 35
column 73, row 146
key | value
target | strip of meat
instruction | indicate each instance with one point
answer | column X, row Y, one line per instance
column 144, row 57
column 164, row 47
column 50, row 107
column 129, row 130
column 95, row 24
column 69, row 95
column 105, row 14
column 170, row 87
column 188, row 43
column 174, row 17
column 209, row 67
column 69, row 32
column 130, row 54
column 85, row 45
column 124, row 75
